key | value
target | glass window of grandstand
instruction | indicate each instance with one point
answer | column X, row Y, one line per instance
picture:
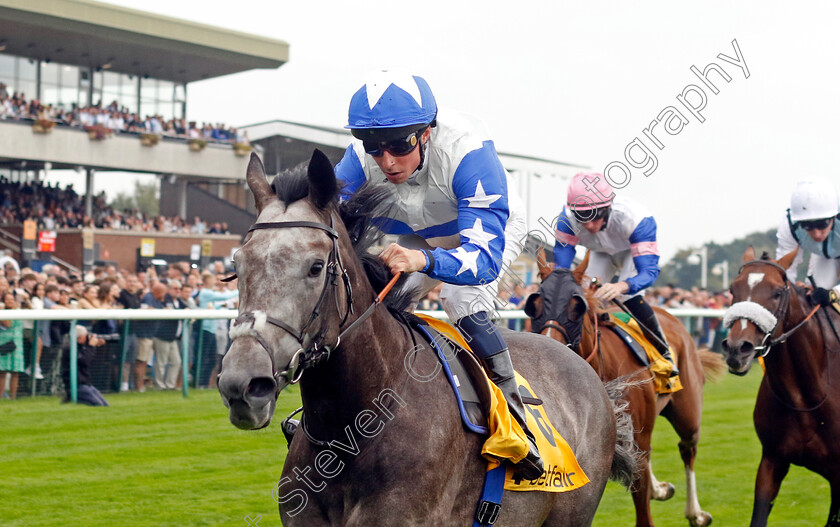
column 110, row 87
column 163, row 98
column 60, row 85
column 20, row 75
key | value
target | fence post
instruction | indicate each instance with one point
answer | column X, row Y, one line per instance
column 34, row 364
column 122, row 355
column 74, row 363
column 186, row 334
column 198, row 347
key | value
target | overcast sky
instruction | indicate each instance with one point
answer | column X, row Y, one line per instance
column 574, row 83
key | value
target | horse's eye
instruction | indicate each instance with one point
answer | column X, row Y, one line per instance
column 316, row 268
column 778, row 293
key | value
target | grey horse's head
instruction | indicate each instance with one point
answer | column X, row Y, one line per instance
column 290, row 295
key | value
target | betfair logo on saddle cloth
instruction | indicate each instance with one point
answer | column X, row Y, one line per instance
column 659, row 365
column 507, row 439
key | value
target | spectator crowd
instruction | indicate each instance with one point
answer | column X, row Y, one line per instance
column 114, row 117
column 151, row 356
column 56, row 208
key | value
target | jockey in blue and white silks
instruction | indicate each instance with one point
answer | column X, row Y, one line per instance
column 621, row 237
column 811, row 224
column 457, row 218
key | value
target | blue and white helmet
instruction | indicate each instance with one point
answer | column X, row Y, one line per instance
column 390, row 102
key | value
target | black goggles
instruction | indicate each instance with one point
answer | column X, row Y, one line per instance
column 395, row 147
column 817, row 225
column 585, row 216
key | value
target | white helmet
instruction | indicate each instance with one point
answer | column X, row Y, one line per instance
column 813, row 199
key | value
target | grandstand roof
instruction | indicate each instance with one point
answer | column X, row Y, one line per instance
column 96, row 35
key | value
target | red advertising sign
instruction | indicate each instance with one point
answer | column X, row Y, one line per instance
column 46, row 241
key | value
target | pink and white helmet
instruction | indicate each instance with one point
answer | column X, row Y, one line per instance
column 589, row 191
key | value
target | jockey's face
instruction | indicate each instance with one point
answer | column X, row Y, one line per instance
column 819, row 235
column 594, row 226
column 399, row 168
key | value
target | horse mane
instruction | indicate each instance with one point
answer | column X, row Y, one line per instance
column 362, row 215
column 292, row 185
column 594, row 303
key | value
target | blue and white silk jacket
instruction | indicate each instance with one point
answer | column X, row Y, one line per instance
column 458, row 202
column 629, row 227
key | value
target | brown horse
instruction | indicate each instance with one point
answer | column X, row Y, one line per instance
column 797, row 411
column 381, row 440
column 565, row 318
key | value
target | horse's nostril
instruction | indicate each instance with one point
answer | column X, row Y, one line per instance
column 261, row 387
column 724, row 344
column 747, row 347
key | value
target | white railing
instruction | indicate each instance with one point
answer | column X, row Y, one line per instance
column 74, row 315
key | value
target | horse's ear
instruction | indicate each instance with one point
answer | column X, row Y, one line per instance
column 544, row 267
column 323, row 187
column 255, row 176
column 577, row 308
column 787, row 259
column 533, row 306
column 581, row 268
column 749, row 254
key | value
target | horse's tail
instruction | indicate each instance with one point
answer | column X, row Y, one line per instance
column 713, row 364
column 627, row 459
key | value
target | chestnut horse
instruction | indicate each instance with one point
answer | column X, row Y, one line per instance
column 797, row 411
column 573, row 314
column 381, row 440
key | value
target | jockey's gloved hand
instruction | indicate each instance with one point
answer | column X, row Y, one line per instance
column 823, row 297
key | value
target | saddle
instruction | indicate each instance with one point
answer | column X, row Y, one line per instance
column 505, row 438
column 644, row 351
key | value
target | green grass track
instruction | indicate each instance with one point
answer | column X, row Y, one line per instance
column 157, row 459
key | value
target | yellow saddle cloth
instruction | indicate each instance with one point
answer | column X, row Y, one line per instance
column 507, row 440
column 659, row 365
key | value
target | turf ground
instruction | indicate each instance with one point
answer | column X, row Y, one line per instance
column 157, row 459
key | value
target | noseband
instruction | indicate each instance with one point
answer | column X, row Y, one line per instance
column 312, row 349
column 768, row 341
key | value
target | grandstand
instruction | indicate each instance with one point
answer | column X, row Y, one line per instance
column 72, row 54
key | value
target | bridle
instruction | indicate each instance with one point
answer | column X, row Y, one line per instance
column 314, row 352
column 767, row 342
column 312, row 348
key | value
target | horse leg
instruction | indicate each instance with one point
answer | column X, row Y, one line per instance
column 834, row 511
column 697, row 517
column 684, row 415
column 659, row 490
column 641, row 490
column 771, row 472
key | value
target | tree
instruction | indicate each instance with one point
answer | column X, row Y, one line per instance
column 146, row 198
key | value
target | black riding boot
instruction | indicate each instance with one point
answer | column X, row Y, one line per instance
column 642, row 311
column 488, row 345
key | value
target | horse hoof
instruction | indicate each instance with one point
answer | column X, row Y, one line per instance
column 701, row 520
column 664, row 492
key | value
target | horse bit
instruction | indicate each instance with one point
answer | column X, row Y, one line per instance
column 315, row 352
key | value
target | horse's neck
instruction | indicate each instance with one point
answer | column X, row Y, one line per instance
column 589, row 342
column 797, row 366
column 368, row 362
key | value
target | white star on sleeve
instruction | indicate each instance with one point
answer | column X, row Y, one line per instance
column 477, row 235
column 469, row 260
column 481, row 200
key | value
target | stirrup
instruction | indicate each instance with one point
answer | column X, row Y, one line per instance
column 289, row 426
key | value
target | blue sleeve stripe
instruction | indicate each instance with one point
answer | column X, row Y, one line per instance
column 564, row 255
column 392, row 226
column 349, row 171
column 481, row 165
column 647, row 267
column 645, row 231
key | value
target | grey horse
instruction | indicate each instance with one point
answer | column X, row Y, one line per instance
column 381, row 440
